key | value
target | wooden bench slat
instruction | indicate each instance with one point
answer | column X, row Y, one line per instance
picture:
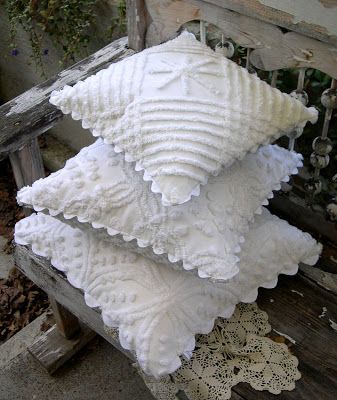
column 52, row 349
column 287, row 15
column 31, row 114
column 295, row 308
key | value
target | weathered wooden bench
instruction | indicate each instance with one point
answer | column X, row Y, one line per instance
column 275, row 38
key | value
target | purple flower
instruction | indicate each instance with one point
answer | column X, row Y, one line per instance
column 45, row 52
column 14, row 52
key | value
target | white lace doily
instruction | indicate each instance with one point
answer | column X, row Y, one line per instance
column 235, row 351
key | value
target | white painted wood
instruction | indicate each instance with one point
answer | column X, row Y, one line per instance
column 295, row 51
column 167, row 18
column 312, row 12
column 31, row 114
column 273, row 49
column 313, row 18
column 52, row 349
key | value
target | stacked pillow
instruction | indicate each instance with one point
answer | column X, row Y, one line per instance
column 159, row 310
column 181, row 112
column 98, row 189
column 160, row 264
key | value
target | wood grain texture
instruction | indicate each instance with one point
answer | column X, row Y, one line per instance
column 319, row 25
column 295, row 310
column 273, row 49
column 326, row 280
column 294, row 51
column 52, row 349
column 292, row 208
column 167, row 17
column 66, row 322
column 27, row 164
column 31, row 114
column 137, row 23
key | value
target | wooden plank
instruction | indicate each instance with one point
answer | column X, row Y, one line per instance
column 295, row 51
column 167, row 18
column 326, row 280
column 292, row 208
column 66, row 322
column 137, row 23
column 295, row 308
column 274, row 49
column 52, row 349
column 31, row 114
column 27, row 164
column 313, row 18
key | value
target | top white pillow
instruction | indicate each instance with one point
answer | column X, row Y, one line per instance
column 181, row 111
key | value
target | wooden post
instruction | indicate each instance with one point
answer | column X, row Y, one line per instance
column 27, row 166
column 66, row 322
column 136, row 13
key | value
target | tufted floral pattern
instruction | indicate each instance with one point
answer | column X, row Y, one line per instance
column 158, row 310
column 181, row 112
column 99, row 189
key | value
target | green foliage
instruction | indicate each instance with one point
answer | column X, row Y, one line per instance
column 65, row 21
column 120, row 21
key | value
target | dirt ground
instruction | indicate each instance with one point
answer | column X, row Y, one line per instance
column 21, row 301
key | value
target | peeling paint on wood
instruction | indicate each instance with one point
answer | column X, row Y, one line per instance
column 308, row 11
column 324, row 311
column 293, row 341
column 297, row 292
column 273, row 49
column 324, row 279
column 329, row 3
column 31, row 114
column 333, row 324
column 290, row 14
column 137, row 24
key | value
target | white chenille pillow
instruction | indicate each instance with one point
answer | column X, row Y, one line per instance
column 181, row 112
column 98, row 189
column 159, row 310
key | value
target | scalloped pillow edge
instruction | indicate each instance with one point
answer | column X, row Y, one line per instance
column 172, row 258
column 190, row 342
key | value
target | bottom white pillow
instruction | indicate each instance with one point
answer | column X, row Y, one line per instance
column 158, row 310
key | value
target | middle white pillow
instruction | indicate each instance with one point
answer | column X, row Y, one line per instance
column 99, row 189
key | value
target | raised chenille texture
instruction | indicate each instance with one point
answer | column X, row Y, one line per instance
column 158, row 310
column 98, row 189
column 181, row 112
